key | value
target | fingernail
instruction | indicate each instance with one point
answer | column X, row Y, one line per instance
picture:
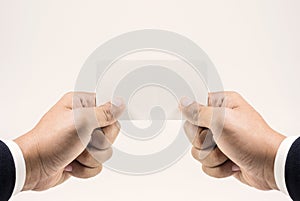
column 69, row 168
column 235, row 168
column 186, row 101
column 117, row 101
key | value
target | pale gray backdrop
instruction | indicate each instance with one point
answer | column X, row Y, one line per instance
column 254, row 45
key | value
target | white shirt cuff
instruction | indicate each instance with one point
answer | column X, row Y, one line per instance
column 20, row 165
column 280, row 160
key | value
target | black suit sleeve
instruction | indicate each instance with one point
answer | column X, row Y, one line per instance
column 7, row 173
column 292, row 171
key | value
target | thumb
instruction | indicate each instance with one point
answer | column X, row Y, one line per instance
column 196, row 113
column 88, row 119
column 202, row 116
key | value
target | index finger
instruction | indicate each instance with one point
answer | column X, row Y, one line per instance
column 102, row 138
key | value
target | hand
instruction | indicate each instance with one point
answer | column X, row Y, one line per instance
column 53, row 150
column 246, row 145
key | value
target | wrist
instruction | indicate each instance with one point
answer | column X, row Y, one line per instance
column 269, row 168
column 27, row 145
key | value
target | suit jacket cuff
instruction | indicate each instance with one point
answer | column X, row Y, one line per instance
column 280, row 163
column 292, row 170
column 20, row 167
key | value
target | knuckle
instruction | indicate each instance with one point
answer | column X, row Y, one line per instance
column 207, row 171
column 69, row 95
column 200, row 138
column 99, row 169
column 206, row 140
column 195, row 115
column 216, row 158
column 212, row 172
column 103, row 155
column 219, row 156
column 90, row 172
column 192, row 112
column 208, row 160
column 107, row 114
column 203, row 133
column 234, row 95
column 99, row 139
column 195, row 153
column 86, row 158
column 215, row 98
column 96, row 171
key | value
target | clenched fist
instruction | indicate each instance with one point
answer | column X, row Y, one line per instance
column 72, row 139
column 245, row 147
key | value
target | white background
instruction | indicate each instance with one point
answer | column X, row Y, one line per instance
column 254, row 45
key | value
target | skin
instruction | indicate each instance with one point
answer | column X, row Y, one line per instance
column 245, row 145
column 54, row 152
